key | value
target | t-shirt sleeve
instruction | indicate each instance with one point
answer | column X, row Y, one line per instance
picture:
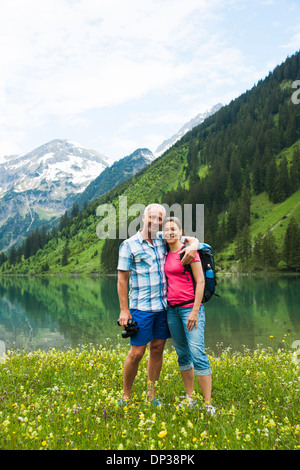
column 125, row 259
column 197, row 258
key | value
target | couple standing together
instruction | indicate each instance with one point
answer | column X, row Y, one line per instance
column 151, row 261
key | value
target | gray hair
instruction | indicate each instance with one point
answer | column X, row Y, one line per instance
column 156, row 205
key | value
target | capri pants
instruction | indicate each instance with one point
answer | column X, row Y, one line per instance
column 189, row 345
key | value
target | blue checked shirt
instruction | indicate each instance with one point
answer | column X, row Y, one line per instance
column 147, row 280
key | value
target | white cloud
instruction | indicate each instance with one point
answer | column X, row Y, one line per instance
column 63, row 59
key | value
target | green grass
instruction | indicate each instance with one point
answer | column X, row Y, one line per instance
column 69, row 400
column 271, row 215
column 265, row 216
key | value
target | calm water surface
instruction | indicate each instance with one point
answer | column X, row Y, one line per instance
column 59, row 312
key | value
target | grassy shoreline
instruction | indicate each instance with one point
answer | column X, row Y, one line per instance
column 69, row 400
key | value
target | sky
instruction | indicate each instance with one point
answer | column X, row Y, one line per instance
column 116, row 75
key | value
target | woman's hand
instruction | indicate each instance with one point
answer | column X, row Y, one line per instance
column 192, row 320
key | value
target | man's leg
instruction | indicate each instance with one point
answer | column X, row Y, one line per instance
column 155, row 364
column 131, row 367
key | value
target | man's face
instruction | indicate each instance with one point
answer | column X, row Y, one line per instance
column 153, row 220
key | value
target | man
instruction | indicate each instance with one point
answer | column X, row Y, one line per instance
column 141, row 260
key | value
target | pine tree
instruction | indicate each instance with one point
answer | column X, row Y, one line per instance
column 231, row 223
column 295, row 171
column 269, row 250
column 3, row 258
column 257, row 248
column 271, row 176
column 243, row 211
column 292, row 245
column 282, row 189
column 291, row 131
column 235, row 180
column 243, row 244
column 193, row 162
column 12, row 257
column 65, row 254
column 75, row 210
column 26, row 250
column 63, row 221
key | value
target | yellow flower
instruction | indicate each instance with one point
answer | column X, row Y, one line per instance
column 162, row 434
column 44, row 443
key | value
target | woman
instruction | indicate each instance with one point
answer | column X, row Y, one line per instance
column 186, row 322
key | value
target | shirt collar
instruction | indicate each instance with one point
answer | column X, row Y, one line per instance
column 141, row 239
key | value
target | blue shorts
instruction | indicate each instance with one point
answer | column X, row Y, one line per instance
column 152, row 325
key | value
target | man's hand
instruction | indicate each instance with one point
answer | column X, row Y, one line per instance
column 125, row 315
column 190, row 250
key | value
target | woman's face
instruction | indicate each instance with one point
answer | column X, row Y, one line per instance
column 171, row 232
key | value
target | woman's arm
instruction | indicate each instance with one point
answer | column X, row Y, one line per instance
column 200, row 283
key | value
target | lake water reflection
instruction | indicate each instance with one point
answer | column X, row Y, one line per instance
column 39, row 313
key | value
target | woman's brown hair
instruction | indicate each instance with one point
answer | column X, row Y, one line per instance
column 175, row 220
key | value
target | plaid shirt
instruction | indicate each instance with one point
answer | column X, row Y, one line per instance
column 147, row 280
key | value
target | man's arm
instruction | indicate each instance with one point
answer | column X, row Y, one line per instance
column 123, row 299
column 192, row 245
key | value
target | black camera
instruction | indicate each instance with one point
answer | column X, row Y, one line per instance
column 131, row 329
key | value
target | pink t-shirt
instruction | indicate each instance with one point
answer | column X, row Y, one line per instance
column 180, row 288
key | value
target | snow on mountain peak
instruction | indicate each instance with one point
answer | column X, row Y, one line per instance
column 186, row 128
column 59, row 161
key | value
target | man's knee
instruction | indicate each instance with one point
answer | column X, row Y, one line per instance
column 157, row 347
column 136, row 353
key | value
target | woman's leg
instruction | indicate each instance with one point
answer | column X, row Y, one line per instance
column 180, row 343
column 188, row 380
column 195, row 340
column 205, row 384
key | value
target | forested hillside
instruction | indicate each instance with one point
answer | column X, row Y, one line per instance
column 242, row 163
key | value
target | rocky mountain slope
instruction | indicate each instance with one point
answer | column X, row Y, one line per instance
column 42, row 184
column 164, row 146
column 114, row 175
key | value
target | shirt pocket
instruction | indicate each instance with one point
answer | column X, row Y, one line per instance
column 143, row 261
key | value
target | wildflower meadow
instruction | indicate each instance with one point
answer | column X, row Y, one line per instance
column 68, row 399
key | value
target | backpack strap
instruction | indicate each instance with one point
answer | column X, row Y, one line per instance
column 187, row 269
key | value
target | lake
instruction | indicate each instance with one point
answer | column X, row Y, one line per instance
column 59, row 312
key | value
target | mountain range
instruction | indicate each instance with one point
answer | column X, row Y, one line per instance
column 37, row 188
column 115, row 174
column 164, row 146
column 242, row 163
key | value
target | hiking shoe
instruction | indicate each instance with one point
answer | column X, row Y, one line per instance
column 187, row 402
column 123, row 401
column 211, row 410
column 155, row 402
